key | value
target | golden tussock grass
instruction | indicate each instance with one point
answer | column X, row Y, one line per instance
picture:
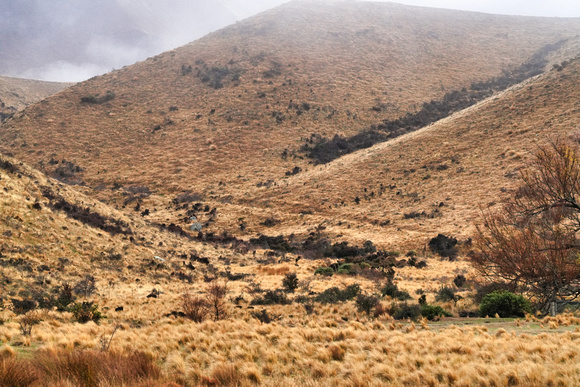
column 321, row 348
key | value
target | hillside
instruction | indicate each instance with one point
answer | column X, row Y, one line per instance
column 50, row 234
column 229, row 112
column 437, row 179
column 17, row 93
column 254, row 208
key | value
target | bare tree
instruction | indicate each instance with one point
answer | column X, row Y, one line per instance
column 532, row 241
column 216, row 294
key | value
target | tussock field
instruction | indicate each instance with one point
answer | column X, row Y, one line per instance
column 320, row 349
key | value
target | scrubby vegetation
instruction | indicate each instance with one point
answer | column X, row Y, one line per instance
column 323, row 150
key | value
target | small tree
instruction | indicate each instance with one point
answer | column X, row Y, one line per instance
column 531, row 242
column 290, row 282
column 27, row 321
column 215, row 298
column 366, row 303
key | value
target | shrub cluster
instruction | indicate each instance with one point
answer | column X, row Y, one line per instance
column 504, row 304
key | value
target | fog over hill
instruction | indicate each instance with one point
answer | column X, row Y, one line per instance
column 67, row 41
column 72, row 41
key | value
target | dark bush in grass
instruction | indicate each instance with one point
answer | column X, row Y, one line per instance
column 65, row 298
column 485, row 289
column 264, row 317
column 445, row 294
column 346, row 268
column 326, row 271
column 335, row 295
column 444, row 246
column 290, row 282
column 459, row 280
column 272, row 297
column 366, row 303
column 505, row 304
column 432, row 312
column 390, row 289
column 84, row 312
column 406, row 311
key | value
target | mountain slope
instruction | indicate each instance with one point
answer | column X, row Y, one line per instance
column 51, row 234
column 17, row 93
column 437, row 179
column 223, row 117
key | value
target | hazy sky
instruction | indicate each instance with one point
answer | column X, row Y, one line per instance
column 72, row 40
column 559, row 8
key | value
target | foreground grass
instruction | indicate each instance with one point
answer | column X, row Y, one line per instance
column 332, row 347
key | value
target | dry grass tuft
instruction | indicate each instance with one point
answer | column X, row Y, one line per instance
column 92, row 368
column 16, row 373
column 336, row 352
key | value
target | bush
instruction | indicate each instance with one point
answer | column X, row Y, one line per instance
column 290, row 282
column 65, row 298
column 272, row 297
column 335, row 295
column 366, row 303
column 390, row 289
column 444, row 246
column 485, row 289
column 265, row 317
column 194, row 308
column 27, row 321
column 215, row 299
column 326, row 271
column 431, row 312
column 445, row 294
column 460, row 280
column 86, row 287
column 345, row 268
column 84, row 312
column 505, row 304
column 404, row 311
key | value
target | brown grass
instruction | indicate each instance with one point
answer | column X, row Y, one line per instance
column 79, row 368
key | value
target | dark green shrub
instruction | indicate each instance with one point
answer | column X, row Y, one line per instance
column 65, row 298
column 404, row 311
column 84, row 312
column 390, row 289
column 431, row 312
column 485, row 289
column 272, row 297
column 335, row 295
column 345, row 268
column 445, row 294
column 290, row 282
column 505, row 304
column 460, row 280
column 326, row 271
column 366, row 303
